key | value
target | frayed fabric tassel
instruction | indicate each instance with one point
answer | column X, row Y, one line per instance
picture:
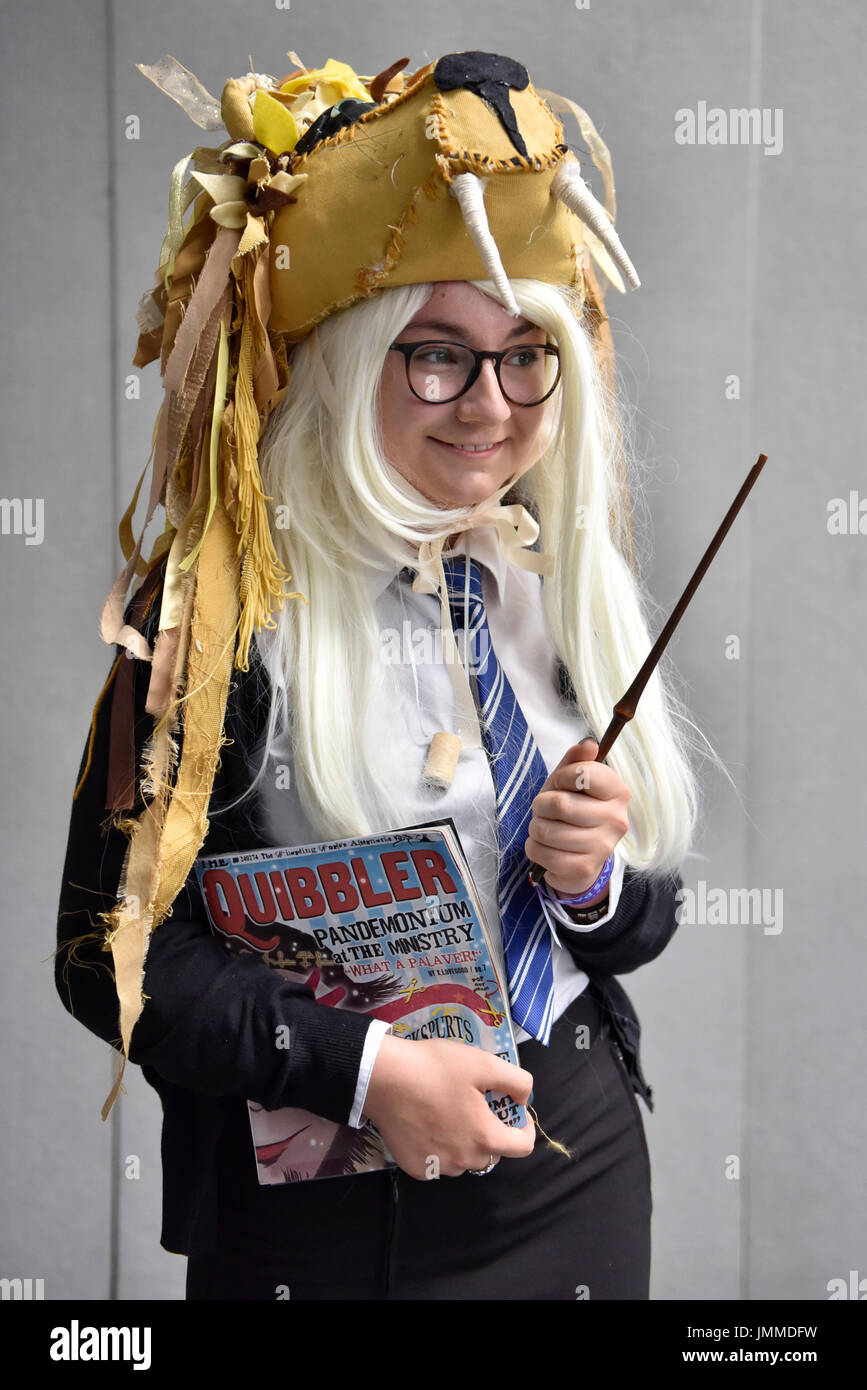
column 552, row 1143
column 263, row 578
column 172, row 828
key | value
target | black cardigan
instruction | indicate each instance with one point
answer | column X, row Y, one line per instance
column 205, row 1037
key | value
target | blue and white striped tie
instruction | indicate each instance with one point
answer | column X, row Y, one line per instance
column 519, row 774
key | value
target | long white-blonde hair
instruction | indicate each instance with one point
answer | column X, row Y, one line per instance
column 335, row 497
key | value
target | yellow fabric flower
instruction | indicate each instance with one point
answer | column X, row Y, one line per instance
column 331, row 83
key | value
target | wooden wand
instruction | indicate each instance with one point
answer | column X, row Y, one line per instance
column 625, row 707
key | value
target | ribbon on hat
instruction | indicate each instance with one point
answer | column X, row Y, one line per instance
column 515, row 530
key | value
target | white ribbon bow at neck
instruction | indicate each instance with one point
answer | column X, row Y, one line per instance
column 515, row 529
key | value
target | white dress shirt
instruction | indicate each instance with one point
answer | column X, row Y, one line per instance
column 422, row 705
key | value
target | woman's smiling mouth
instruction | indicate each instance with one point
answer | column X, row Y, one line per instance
column 470, row 450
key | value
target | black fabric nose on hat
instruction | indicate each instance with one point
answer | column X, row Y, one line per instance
column 489, row 76
column 328, row 122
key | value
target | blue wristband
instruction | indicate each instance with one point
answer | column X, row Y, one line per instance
column 594, row 889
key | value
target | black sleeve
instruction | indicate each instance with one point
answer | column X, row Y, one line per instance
column 210, row 1020
column 641, row 926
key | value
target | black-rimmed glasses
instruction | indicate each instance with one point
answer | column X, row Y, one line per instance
column 439, row 372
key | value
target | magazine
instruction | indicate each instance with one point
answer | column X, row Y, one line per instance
column 390, row 925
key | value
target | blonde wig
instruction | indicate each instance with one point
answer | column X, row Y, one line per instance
column 336, row 501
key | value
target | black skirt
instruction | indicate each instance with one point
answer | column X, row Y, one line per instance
column 542, row 1227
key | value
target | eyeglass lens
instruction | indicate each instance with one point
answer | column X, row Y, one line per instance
column 440, row 371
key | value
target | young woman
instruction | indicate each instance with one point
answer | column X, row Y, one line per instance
column 411, row 419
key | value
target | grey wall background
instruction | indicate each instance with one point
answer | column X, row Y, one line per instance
column 751, row 265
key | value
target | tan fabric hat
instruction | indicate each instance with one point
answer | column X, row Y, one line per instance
column 376, row 210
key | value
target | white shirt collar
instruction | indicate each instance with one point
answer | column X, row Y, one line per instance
column 484, row 546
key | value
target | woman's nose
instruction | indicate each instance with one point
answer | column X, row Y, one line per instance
column 484, row 400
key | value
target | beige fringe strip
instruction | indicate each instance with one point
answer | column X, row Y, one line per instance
column 168, row 837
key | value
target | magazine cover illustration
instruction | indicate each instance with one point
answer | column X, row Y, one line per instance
column 391, row 926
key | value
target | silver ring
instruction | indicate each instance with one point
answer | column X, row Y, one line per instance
column 480, row 1172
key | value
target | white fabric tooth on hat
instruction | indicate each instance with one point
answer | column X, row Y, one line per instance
column 470, row 193
column 570, row 188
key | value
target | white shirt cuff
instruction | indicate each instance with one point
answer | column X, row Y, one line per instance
column 560, row 913
column 375, row 1034
column 553, row 909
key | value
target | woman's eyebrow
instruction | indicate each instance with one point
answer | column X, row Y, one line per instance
column 441, row 326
